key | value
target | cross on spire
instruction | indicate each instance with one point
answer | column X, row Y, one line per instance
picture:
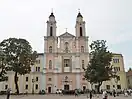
column 52, row 10
column 66, row 29
column 79, row 10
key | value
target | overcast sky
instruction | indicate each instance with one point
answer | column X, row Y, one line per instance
column 109, row 20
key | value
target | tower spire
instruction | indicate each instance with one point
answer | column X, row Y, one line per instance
column 52, row 14
column 79, row 14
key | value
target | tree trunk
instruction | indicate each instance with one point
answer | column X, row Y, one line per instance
column 91, row 86
column 98, row 88
column 16, row 80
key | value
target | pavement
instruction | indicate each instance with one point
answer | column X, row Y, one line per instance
column 60, row 97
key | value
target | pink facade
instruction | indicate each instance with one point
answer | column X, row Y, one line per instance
column 64, row 64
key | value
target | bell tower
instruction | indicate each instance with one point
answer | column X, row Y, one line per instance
column 80, row 26
column 51, row 25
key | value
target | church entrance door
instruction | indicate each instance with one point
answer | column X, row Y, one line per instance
column 66, row 87
column 49, row 89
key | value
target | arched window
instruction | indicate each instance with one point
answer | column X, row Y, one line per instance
column 50, row 49
column 51, row 31
column 81, row 31
column 82, row 49
column 50, row 64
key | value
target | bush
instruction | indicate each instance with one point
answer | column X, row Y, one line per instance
column 68, row 92
column 3, row 93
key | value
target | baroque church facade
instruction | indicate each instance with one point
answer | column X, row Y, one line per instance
column 61, row 65
column 65, row 56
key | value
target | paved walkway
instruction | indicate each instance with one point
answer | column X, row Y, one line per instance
column 60, row 97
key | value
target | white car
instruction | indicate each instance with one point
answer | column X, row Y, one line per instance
column 58, row 91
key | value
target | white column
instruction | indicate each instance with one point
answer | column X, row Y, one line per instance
column 45, row 45
column 73, row 63
column 77, row 81
column 70, row 87
column 77, row 46
column 77, row 62
column 86, row 49
column 55, row 45
column 55, row 83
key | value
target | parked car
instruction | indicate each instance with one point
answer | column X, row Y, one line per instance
column 58, row 91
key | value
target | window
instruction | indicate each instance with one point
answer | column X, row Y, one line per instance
column 36, row 78
column 38, row 69
column 26, row 78
column 84, row 88
column 108, row 87
column 82, row 49
column 118, row 78
column 113, row 86
column 128, row 81
column 51, row 31
column 50, row 64
column 81, row 31
column 66, row 62
column 116, row 69
column 6, row 86
column 37, row 61
column 26, row 87
column 118, row 86
column 116, row 60
column 50, row 49
column 6, row 78
column 82, row 63
column 36, row 86
column 83, row 78
column 49, row 79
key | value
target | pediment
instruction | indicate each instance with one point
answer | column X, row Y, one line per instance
column 66, row 35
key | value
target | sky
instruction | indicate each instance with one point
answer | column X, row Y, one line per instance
column 109, row 20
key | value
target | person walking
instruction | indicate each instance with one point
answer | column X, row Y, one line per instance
column 114, row 93
column 76, row 93
column 90, row 95
column 8, row 93
column 104, row 95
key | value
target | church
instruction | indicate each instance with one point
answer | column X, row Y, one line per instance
column 61, row 65
column 66, row 55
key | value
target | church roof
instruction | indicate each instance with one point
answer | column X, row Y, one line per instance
column 66, row 34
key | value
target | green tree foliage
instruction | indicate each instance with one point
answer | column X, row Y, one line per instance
column 19, row 57
column 99, row 68
column 130, row 69
column 3, row 67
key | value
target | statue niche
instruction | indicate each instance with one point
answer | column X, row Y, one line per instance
column 66, row 47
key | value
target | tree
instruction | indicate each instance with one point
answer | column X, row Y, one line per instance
column 19, row 57
column 3, row 67
column 130, row 69
column 99, row 68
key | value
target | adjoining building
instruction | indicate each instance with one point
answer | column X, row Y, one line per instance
column 61, row 65
column 129, row 79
